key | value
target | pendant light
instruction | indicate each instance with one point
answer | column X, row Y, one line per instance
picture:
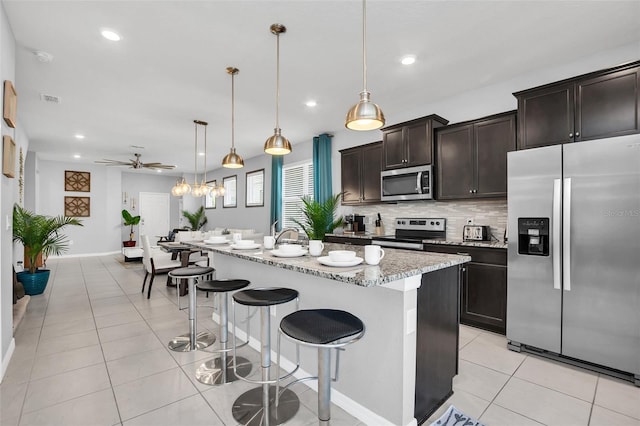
column 232, row 160
column 365, row 115
column 199, row 188
column 277, row 144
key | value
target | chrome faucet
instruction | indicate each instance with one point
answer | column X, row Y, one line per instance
column 286, row 231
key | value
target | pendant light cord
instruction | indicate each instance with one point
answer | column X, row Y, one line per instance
column 364, row 45
column 233, row 109
column 277, row 80
column 195, row 157
column 204, row 180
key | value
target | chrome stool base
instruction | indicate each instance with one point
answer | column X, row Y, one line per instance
column 182, row 343
column 212, row 373
column 247, row 408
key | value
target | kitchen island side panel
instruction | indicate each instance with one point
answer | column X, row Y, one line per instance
column 377, row 372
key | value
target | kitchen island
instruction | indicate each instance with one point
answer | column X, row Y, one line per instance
column 401, row 370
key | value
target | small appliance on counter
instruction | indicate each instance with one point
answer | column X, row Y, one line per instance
column 354, row 224
column 476, row 233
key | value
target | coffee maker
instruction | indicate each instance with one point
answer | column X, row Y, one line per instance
column 354, row 224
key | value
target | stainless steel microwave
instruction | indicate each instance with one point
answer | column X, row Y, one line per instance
column 411, row 183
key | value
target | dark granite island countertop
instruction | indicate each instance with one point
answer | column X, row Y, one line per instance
column 409, row 304
column 395, row 265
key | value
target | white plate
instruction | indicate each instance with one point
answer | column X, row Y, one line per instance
column 326, row 260
column 216, row 242
column 247, row 247
column 279, row 253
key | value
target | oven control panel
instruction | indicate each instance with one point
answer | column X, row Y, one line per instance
column 421, row 224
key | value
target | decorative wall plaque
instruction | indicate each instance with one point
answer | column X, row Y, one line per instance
column 77, row 206
column 10, row 104
column 8, row 157
column 77, row 181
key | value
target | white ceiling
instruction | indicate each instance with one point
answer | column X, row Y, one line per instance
column 169, row 68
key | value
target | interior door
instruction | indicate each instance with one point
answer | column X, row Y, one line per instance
column 601, row 297
column 154, row 214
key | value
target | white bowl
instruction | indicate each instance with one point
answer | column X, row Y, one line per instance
column 342, row 255
column 289, row 248
column 216, row 239
column 244, row 243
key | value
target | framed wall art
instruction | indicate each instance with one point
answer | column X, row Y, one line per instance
column 77, row 206
column 10, row 104
column 229, row 184
column 77, row 181
column 254, row 195
column 8, row 157
column 210, row 198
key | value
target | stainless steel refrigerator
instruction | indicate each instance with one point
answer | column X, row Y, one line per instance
column 574, row 251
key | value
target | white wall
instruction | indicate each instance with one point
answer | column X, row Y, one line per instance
column 8, row 196
column 100, row 232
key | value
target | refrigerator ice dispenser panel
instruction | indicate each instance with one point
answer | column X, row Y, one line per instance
column 533, row 236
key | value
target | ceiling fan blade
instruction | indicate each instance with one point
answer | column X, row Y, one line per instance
column 158, row 166
column 113, row 162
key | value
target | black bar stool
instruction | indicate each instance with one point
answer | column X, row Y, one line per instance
column 257, row 406
column 192, row 341
column 219, row 370
column 324, row 329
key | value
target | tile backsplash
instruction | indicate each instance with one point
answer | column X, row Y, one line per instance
column 483, row 212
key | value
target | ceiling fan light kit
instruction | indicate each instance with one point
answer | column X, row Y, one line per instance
column 365, row 115
column 277, row 144
column 232, row 160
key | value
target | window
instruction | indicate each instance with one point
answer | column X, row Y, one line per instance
column 297, row 181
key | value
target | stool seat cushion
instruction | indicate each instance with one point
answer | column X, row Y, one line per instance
column 265, row 296
column 222, row 286
column 191, row 271
column 321, row 326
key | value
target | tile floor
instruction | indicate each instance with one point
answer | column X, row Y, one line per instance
column 92, row 351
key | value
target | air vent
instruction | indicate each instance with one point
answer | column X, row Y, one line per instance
column 50, row 98
column 136, row 147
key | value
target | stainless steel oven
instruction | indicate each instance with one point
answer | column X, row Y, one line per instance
column 412, row 183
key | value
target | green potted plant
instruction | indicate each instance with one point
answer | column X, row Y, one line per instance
column 40, row 235
column 197, row 220
column 319, row 217
column 130, row 220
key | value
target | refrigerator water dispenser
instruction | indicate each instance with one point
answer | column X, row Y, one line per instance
column 533, row 236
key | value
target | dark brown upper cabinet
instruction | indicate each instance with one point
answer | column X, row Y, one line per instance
column 472, row 157
column 360, row 172
column 410, row 143
column 598, row 105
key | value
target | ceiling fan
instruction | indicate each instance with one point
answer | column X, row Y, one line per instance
column 136, row 164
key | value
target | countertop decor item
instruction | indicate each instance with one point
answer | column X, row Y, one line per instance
column 277, row 144
column 40, row 235
column 232, row 160
column 319, row 217
column 365, row 115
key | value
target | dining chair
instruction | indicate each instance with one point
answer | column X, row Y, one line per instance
column 155, row 261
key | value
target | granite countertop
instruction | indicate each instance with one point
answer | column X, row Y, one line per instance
column 395, row 265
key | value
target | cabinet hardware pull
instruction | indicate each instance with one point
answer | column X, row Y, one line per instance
column 471, row 191
column 577, row 134
column 570, row 135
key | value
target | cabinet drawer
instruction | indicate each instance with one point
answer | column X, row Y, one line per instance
column 493, row 256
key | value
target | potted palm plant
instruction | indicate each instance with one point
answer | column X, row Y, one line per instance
column 319, row 217
column 197, row 220
column 40, row 235
column 130, row 220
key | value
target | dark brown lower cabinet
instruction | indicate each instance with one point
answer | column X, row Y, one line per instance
column 483, row 287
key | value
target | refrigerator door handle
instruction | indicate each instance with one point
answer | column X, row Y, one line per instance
column 557, row 217
column 566, row 230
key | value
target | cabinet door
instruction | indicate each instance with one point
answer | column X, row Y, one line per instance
column 608, row 105
column 418, row 144
column 545, row 116
column 371, row 168
column 394, row 152
column 493, row 139
column 454, row 148
column 351, row 173
column 484, row 297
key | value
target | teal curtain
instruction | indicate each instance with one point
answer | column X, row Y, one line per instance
column 322, row 190
column 276, row 191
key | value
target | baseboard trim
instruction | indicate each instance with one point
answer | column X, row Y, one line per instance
column 7, row 358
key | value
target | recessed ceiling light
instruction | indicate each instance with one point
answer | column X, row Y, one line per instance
column 110, row 35
column 408, row 60
column 311, row 103
column 158, row 170
column 79, row 136
column 201, row 154
column 76, row 155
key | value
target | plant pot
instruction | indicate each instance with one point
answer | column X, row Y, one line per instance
column 34, row 283
column 129, row 243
